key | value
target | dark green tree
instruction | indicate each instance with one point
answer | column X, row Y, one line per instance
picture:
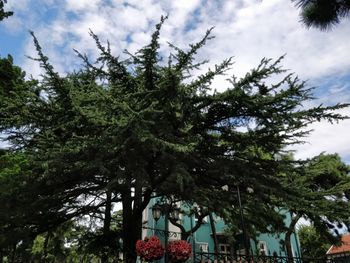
column 30, row 204
column 12, row 243
column 130, row 130
column 106, row 246
column 323, row 184
column 4, row 14
column 20, row 198
column 76, row 242
column 57, row 245
column 313, row 245
column 323, row 14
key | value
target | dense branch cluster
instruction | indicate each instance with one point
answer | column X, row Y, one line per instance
column 323, row 14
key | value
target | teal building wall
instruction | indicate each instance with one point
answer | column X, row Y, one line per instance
column 202, row 240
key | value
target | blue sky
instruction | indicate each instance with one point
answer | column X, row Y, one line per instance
column 246, row 29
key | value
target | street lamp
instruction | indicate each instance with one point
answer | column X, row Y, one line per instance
column 175, row 213
column 157, row 211
column 169, row 211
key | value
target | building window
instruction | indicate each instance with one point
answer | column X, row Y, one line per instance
column 202, row 247
column 262, row 248
column 224, row 248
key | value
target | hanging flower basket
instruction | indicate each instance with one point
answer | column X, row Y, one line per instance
column 179, row 251
column 150, row 249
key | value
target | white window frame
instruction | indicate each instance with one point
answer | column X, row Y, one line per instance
column 203, row 247
column 262, row 248
column 227, row 249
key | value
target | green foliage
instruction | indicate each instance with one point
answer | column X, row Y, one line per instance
column 329, row 181
column 312, row 243
column 4, row 14
column 38, row 245
column 323, row 14
column 12, row 181
column 323, row 182
column 129, row 130
column 64, row 244
column 98, row 243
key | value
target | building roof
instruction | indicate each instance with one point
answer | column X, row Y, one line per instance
column 344, row 247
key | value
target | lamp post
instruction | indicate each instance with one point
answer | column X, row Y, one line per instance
column 168, row 211
column 156, row 211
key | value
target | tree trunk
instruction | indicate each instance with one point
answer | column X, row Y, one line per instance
column 288, row 245
column 132, row 228
column 185, row 234
column 13, row 257
column 130, row 236
column 107, row 223
column 213, row 230
column 287, row 239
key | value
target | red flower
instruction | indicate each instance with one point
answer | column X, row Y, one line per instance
column 150, row 249
column 179, row 250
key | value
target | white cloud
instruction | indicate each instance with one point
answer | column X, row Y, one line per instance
column 13, row 25
column 328, row 138
column 18, row 5
column 248, row 30
column 4, row 145
column 81, row 5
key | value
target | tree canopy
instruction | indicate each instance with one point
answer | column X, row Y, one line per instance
column 323, row 14
column 126, row 131
column 324, row 183
column 313, row 245
column 4, row 14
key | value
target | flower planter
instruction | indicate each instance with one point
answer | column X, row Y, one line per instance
column 179, row 251
column 150, row 249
